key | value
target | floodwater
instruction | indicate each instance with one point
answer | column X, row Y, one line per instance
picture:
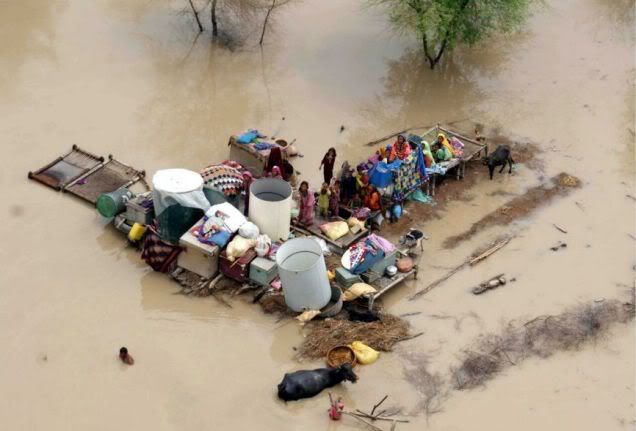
column 132, row 79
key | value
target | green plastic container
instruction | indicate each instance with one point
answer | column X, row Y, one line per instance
column 175, row 220
column 113, row 203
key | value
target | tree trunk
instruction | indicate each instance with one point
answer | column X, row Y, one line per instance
column 196, row 16
column 215, row 28
column 429, row 57
column 269, row 11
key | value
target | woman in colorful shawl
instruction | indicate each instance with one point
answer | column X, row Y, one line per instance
column 400, row 149
column 328, row 161
column 306, row 205
column 443, row 141
column 428, row 155
column 275, row 159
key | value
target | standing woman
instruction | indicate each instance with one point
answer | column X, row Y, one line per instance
column 328, row 161
column 247, row 182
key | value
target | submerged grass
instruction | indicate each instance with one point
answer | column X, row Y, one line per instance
column 540, row 337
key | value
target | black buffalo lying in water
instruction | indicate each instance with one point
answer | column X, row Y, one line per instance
column 307, row 383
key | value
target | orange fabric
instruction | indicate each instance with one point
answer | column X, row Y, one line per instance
column 373, row 201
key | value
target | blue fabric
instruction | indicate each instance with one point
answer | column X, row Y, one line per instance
column 260, row 146
column 436, row 169
column 381, row 175
column 221, row 238
column 247, row 137
column 417, row 140
column 370, row 259
column 421, row 164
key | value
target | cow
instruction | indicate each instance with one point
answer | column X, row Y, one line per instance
column 308, row 383
column 500, row 157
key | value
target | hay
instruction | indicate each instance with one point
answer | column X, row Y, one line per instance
column 327, row 334
column 541, row 337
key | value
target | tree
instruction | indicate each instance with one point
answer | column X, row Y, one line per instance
column 443, row 24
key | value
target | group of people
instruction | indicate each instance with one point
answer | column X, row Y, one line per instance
column 350, row 187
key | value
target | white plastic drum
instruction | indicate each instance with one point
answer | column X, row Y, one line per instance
column 303, row 274
column 270, row 207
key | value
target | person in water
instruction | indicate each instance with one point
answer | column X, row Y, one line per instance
column 306, row 205
column 400, row 149
column 125, row 356
column 327, row 164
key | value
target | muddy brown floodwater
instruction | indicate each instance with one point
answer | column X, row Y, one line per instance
column 132, row 79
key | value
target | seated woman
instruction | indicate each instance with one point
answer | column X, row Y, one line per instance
column 275, row 160
column 428, row 155
column 441, row 153
column 443, row 141
column 373, row 201
column 400, row 149
column 306, row 205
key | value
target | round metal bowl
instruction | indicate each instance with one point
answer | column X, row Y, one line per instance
column 391, row 270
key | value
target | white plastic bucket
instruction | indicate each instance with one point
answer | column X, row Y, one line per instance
column 270, row 207
column 303, row 274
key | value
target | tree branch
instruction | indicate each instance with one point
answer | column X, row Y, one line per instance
column 196, row 15
column 215, row 28
column 269, row 11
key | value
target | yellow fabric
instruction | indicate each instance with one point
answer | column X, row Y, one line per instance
column 365, row 355
column 357, row 290
column 446, row 144
column 335, row 229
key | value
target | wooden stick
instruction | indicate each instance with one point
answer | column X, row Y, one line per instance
column 437, row 282
column 353, row 415
column 392, row 135
column 215, row 281
column 559, row 228
column 490, row 251
column 415, row 313
column 361, row 414
column 221, row 300
column 378, row 404
column 410, row 337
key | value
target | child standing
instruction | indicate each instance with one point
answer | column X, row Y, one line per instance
column 323, row 200
column 334, row 199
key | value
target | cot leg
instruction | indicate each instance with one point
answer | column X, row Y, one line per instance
column 371, row 301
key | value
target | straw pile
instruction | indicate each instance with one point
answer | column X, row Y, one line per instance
column 327, row 334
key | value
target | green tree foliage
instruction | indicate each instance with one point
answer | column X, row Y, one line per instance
column 443, row 24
